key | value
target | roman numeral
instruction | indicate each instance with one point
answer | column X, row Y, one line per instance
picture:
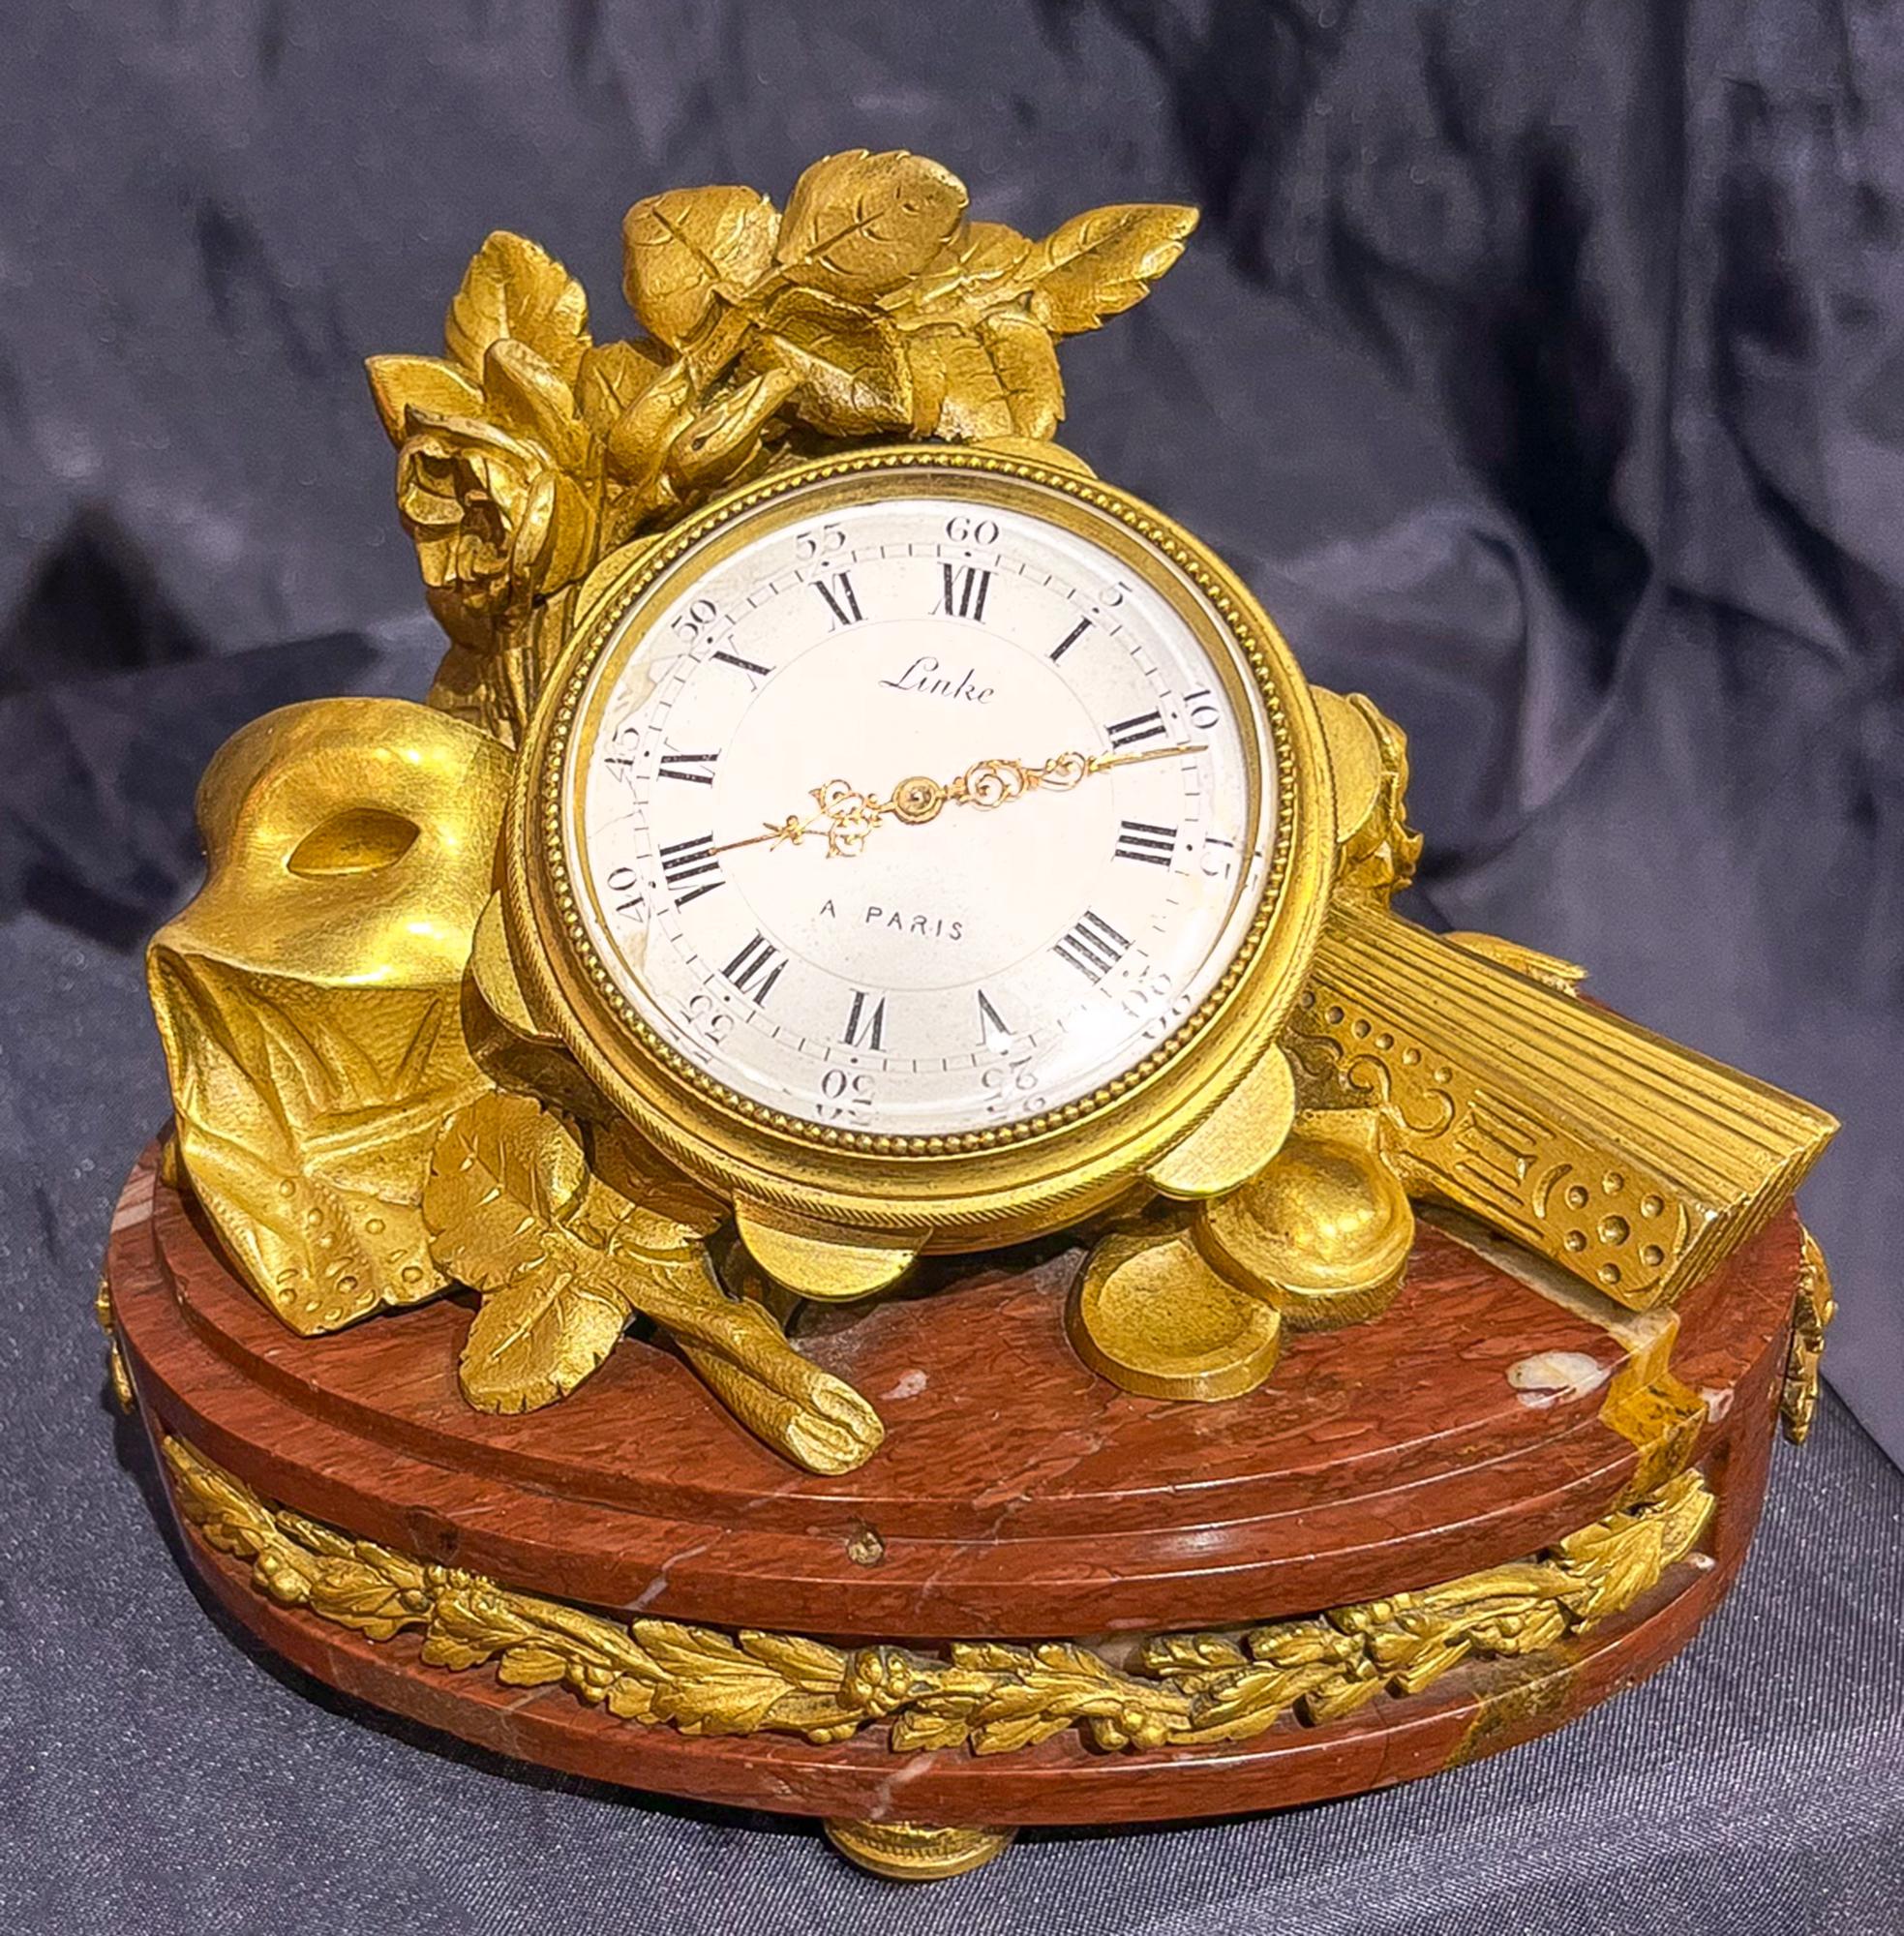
column 1141, row 840
column 865, row 1026
column 696, row 767
column 840, row 600
column 1094, row 948
column 966, row 586
column 1070, row 639
column 993, row 1032
column 747, row 666
column 1139, row 726
column 756, row 968
column 691, row 861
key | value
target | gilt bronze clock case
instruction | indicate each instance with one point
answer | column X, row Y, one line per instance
column 967, row 1191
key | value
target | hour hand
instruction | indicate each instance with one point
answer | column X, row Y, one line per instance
column 785, row 833
column 845, row 816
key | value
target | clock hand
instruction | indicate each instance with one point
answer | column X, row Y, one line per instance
column 788, row 829
column 847, row 815
column 1102, row 762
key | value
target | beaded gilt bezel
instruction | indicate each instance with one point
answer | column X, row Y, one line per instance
column 554, row 784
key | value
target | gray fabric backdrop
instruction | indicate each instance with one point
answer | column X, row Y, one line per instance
column 1541, row 368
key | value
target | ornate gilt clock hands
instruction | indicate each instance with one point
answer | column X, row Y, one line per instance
column 846, row 816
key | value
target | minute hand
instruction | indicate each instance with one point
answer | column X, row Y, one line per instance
column 1102, row 762
column 846, row 815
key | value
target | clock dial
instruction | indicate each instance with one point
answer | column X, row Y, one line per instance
column 874, row 674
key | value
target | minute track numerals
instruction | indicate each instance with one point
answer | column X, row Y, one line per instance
column 960, row 971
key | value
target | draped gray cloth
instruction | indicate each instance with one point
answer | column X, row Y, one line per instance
column 1539, row 366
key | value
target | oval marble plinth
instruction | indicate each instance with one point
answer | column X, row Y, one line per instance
column 1017, row 1497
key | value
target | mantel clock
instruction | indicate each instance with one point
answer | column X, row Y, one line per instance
column 874, row 917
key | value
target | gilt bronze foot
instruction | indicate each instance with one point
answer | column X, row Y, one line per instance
column 917, row 1851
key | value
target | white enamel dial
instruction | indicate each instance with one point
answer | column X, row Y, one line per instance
column 962, row 972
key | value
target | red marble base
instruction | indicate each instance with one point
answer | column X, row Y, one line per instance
column 1017, row 1497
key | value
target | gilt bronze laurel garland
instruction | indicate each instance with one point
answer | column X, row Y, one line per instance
column 1191, row 1689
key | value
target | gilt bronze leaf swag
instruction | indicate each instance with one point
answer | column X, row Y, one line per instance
column 872, row 307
